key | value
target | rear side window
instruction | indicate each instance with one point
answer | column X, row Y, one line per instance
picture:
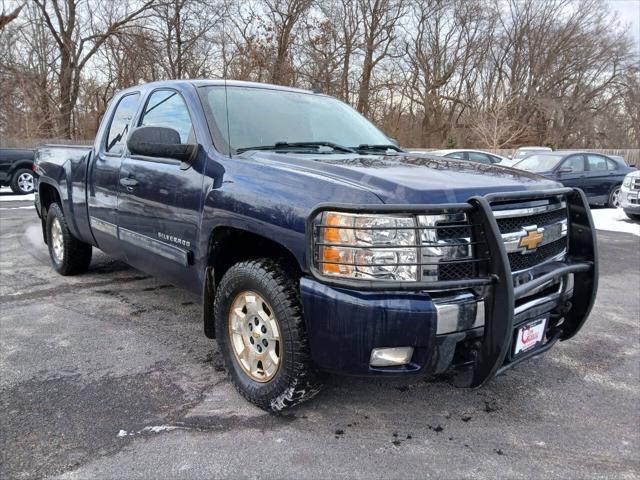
column 479, row 157
column 597, row 163
column 166, row 108
column 119, row 127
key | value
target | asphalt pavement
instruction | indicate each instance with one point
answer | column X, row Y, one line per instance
column 109, row 375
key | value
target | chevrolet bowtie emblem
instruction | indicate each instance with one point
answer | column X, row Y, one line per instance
column 532, row 238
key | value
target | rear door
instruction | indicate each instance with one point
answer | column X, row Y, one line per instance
column 600, row 180
column 104, row 174
column 159, row 204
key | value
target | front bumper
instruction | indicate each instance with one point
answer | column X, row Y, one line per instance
column 465, row 328
column 630, row 200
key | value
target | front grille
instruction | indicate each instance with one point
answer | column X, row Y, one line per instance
column 518, row 261
column 522, row 219
column 455, row 271
column 514, row 224
column 459, row 270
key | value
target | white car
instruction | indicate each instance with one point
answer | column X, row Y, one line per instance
column 526, row 151
column 472, row 156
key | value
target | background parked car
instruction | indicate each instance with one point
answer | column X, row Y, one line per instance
column 471, row 155
column 599, row 176
column 16, row 170
column 524, row 151
column 630, row 195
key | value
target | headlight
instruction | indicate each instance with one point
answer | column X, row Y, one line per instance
column 627, row 181
column 389, row 247
column 369, row 247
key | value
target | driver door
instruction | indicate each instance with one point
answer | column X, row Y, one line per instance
column 574, row 176
column 159, row 204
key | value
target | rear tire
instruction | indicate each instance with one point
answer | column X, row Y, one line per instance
column 258, row 301
column 69, row 256
column 614, row 197
column 22, row 182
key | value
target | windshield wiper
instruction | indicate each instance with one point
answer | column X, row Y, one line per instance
column 363, row 147
column 294, row 145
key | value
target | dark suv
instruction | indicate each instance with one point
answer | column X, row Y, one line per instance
column 16, row 170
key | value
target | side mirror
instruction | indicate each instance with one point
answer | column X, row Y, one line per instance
column 160, row 142
column 510, row 157
column 565, row 170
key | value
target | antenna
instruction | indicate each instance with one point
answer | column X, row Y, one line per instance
column 224, row 73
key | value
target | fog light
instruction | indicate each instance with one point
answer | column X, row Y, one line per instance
column 388, row 357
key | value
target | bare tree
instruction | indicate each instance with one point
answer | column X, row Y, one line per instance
column 379, row 22
column 6, row 18
column 79, row 30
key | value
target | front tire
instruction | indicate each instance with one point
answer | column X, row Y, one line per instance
column 633, row 216
column 615, row 200
column 69, row 256
column 22, row 182
column 261, row 334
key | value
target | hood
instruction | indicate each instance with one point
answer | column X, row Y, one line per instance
column 411, row 178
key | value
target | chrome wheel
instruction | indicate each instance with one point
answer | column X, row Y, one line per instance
column 255, row 336
column 25, row 182
column 57, row 241
column 615, row 198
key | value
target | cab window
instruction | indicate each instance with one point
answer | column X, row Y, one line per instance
column 119, row 128
column 166, row 108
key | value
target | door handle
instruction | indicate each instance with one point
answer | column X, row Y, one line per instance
column 128, row 182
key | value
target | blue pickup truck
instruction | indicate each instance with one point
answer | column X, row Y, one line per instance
column 315, row 242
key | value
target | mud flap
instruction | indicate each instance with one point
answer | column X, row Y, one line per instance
column 208, row 294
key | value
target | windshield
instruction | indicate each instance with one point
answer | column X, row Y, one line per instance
column 539, row 163
column 261, row 116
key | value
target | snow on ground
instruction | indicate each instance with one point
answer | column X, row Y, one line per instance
column 614, row 220
column 6, row 195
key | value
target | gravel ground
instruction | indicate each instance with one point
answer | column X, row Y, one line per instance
column 108, row 375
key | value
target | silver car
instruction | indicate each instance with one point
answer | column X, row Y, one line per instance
column 629, row 195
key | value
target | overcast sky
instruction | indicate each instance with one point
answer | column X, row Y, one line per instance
column 629, row 14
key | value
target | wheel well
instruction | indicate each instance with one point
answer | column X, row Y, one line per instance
column 28, row 164
column 228, row 246
column 48, row 195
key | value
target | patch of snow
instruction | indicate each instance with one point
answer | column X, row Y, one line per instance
column 614, row 220
column 151, row 429
column 160, row 428
column 18, row 198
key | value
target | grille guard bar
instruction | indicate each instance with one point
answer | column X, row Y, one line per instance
column 500, row 301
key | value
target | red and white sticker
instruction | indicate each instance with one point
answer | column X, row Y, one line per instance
column 530, row 335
